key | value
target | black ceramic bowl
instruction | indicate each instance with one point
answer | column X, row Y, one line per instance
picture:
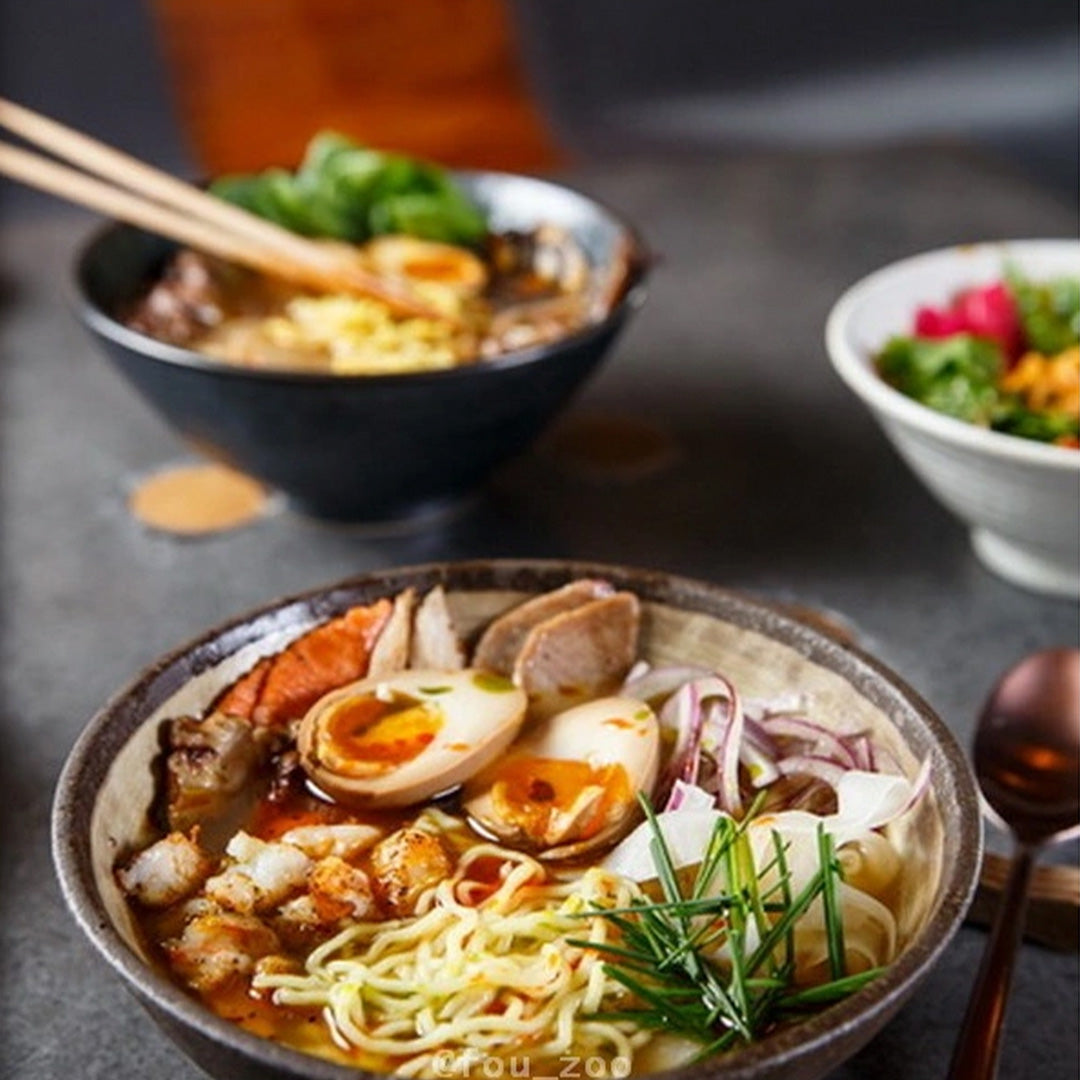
column 100, row 810
column 363, row 447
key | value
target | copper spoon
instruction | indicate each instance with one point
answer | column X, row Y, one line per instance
column 1027, row 761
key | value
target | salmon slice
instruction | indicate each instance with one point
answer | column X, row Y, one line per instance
column 241, row 698
column 328, row 657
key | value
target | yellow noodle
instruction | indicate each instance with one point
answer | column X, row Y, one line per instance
column 423, row 990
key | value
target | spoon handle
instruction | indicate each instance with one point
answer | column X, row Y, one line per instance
column 976, row 1054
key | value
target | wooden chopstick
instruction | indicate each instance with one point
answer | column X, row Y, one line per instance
column 1053, row 915
column 154, row 200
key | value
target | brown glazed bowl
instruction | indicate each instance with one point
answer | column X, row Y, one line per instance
column 100, row 809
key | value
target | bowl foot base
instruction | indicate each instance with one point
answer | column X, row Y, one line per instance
column 1035, row 568
column 418, row 518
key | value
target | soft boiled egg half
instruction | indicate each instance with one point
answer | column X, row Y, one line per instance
column 399, row 740
column 571, row 782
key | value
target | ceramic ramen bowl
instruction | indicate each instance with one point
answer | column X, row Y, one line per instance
column 365, row 447
column 105, row 791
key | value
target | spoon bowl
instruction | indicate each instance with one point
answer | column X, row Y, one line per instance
column 1027, row 747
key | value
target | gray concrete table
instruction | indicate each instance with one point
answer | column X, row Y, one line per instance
column 782, row 487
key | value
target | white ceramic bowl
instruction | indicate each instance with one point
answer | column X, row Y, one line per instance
column 1020, row 499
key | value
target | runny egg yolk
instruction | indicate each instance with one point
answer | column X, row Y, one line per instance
column 535, row 794
column 373, row 734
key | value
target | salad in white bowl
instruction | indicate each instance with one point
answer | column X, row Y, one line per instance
column 967, row 357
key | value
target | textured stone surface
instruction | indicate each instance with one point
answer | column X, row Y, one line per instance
column 783, row 487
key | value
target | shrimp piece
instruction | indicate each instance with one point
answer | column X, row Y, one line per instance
column 262, row 876
column 217, row 948
column 320, row 841
column 298, row 922
column 405, row 864
column 340, row 891
column 167, row 871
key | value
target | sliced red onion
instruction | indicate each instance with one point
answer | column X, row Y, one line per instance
column 705, row 705
column 885, row 761
column 919, row 787
column 825, row 743
column 703, row 711
column 761, row 766
column 861, row 750
column 682, row 714
column 758, row 737
column 650, row 684
column 809, row 765
column 724, row 723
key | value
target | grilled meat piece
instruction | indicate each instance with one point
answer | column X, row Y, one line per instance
column 208, row 762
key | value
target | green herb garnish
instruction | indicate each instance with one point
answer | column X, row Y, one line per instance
column 344, row 191
column 687, row 958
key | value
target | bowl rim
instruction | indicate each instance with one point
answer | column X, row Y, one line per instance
column 110, row 328
column 871, row 1006
column 856, row 370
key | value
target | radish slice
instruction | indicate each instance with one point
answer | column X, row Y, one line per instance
column 686, row 832
column 689, row 797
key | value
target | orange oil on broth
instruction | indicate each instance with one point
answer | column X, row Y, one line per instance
column 367, row 735
column 300, row 1028
column 389, row 732
column 532, row 791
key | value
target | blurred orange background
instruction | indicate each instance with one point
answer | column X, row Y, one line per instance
column 253, row 79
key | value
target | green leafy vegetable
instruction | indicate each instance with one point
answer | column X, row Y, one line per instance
column 344, row 191
column 1049, row 311
column 956, row 375
column 1014, row 418
column 666, row 952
